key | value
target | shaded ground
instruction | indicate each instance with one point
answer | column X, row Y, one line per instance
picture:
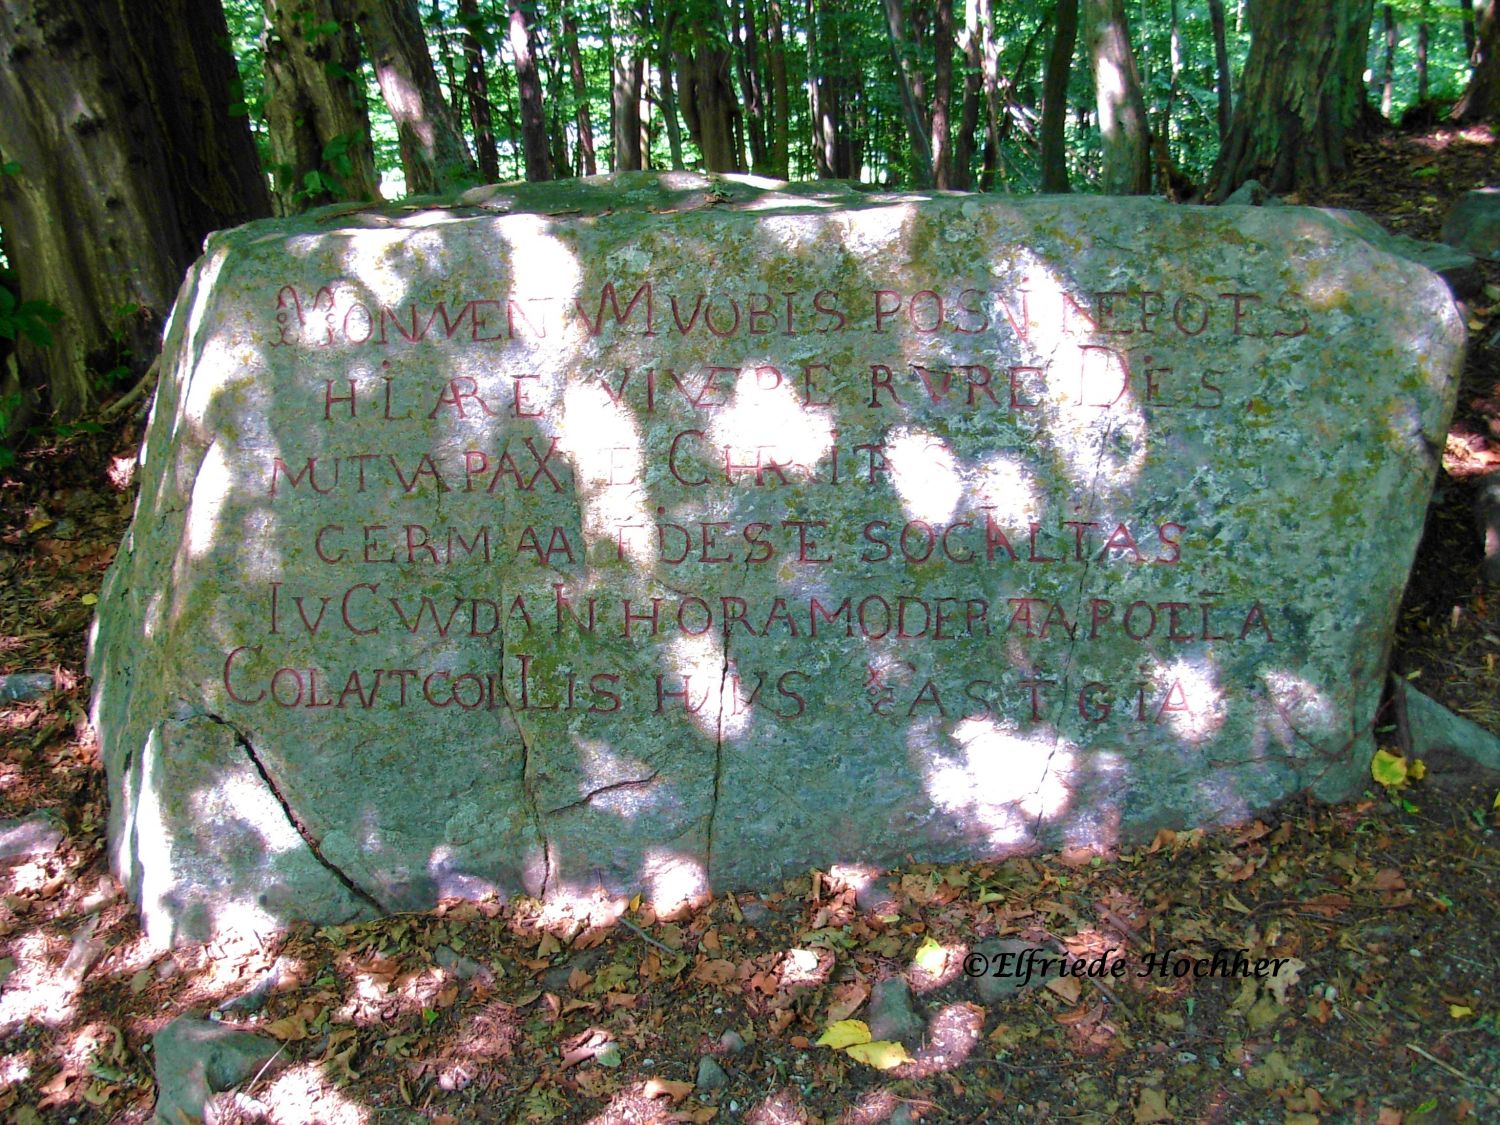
column 1383, row 911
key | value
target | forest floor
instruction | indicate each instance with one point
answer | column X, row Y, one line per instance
column 1385, row 910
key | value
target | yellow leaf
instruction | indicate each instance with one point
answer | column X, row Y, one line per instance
column 931, row 957
column 844, row 1033
column 90, row 599
column 883, row 1054
column 1496, row 805
column 1151, row 1107
column 1388, row 769
column 1417, row 770
column 1460, row 1011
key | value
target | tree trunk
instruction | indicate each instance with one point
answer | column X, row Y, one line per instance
column 625, row 88
column 117, row 115
column 434, row 154
column 477, row 88
column 317, row 124
column 450, row 68
column 1388, row 70
column 1117, row 96
column 992, row 164
column 1424, row 32
column 669, row 115
column 529, row 83
column 747, row 66
column 1303, row 95
column 909, row 86
column 968, row 118
column 942, row 95
column 781, row 103
column 588, row 162
column 1225, row 82
column 1470, row 40
column 708, row 102
column 1481, row 100
column 1055, row 98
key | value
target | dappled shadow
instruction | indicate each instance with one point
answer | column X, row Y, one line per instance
column 594, row 549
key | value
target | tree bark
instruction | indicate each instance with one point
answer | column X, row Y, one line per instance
column 1424, row 33
column 708, row 102
column 1481, row 100
column 477, row 87
column 968, row 118
column 1303, row 95
column 1388, row 69
column 434, row 154
column 666, row 23
column 992, row 164
column 1055, row 98
column 781, row 103
column 317, row 123
column 908, row 84
column 529, row 83
column 942, row 95
column 1471, row 41
column 117, row 114
column 1221, row 69
column 752, row 89
column 1121, row 108
column 587, row 160
column 625, row 88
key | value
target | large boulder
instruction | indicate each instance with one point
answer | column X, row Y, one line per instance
column 667, row 532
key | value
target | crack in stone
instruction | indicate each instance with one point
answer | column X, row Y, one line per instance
column 713, row 808
column 533, row 806
column 244, row 743
column 1091, row 499
column 611, row 787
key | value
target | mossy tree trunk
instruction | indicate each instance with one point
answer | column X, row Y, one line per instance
column 1117, row 94
column 1302, row 95
column 115, row 115
column 1055, row 97
column 1481, row 100
column 317, row 123
column 434, row 154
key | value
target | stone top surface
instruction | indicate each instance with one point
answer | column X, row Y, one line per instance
column 666, row 532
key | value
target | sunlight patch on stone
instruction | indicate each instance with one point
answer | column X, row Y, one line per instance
column 701, row 667
column 374, row 262
column 1001, row 778
column 211, row 490
column 1192, row 703
column 603, row 442
column 925, row 474
column 603, row 766
column 1006, row 484
column 1300, row 708
column 765, row 423
column 674, row 881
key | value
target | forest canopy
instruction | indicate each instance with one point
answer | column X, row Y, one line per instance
column 116, row 160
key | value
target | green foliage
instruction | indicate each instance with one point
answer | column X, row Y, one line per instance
column 27, row 318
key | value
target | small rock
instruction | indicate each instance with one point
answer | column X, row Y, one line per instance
column 255, row 998
column 196, row 1059
column 555, row 979
column 464, row 968
column 1435, row 729
column 711, row 1075
column 32, row 837
column 901, row 1115
column 755, row 912
column 994, row 989
column 891, row 1016
column 1248, row 194
column 878, row 896
column 1474, row 223
column 731, row 1042
column 1487, row 516
column 23, row 687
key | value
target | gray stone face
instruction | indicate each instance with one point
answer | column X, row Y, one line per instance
column 1474, row 223
column 663, row 533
